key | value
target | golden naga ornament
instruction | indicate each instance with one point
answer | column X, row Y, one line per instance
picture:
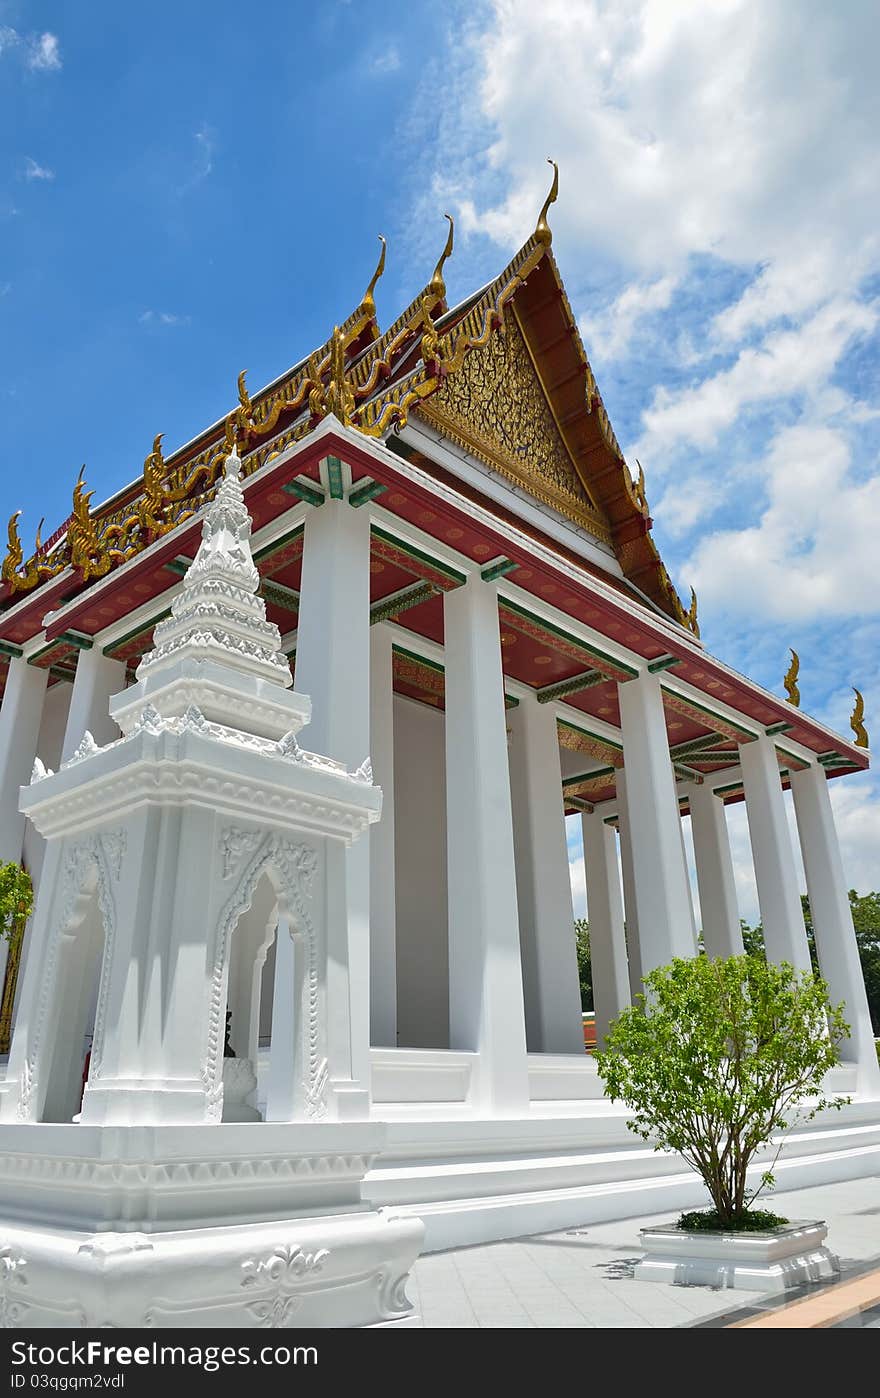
column 639, row 490
column 87, row 552
column 790, row 680
column 338, row 396
column 151, row 507
column 14, row 555
column 542, row 228
column 692, row 622
column 856, row 721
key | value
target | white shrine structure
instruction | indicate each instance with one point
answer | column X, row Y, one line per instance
column 450, row 551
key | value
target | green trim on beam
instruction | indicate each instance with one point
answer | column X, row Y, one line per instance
column 583, row 807
column 500, row 569
column 507, row 605
column 334, row 477
column 304, row 490
column 663, row 662
column 419, row 659
column 611, row 820
column 61, row 672
column 269, row 549
column 13, row 651
column 575, row 685
column 692, row 746
column 722, row 790
column 588, row 733
column 365, row 491
column 712, row 713
column 511, row 701
column 782, row 727
column 77, row 639
column 412, row 552
column 138, row 631
column 832, row 756
column 177, row 566
column 278, row 595
column 588, row 776
column 402, row 600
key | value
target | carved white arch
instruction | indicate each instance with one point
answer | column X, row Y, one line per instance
column 292, row 868
column 99, row 857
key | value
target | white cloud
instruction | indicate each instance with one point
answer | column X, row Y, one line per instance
column 788, row 362
column 812, row 551
column 43, row 55
column 33, row 171
column 38, row 52
column 610, row 332
column 381, row 64
column 162, row 318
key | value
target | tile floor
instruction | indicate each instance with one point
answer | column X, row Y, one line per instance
column 582, row 1277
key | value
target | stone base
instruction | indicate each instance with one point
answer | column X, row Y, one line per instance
column 332, row 1271
column 774, row 1261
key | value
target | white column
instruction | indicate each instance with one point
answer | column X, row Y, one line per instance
column 835, row 936
column 684, row 859
column 333, row 668
column 627, row 873
column 722, row 934
column 543, row 885
column 785, row 936
column 383, row 927
column 97, row 679
column 20, row 717
column 608, row 958
column 660, row 881
column 485, row 978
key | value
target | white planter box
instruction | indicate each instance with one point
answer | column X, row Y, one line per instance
column 773, row 1261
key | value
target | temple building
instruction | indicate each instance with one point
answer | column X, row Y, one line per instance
column 462, row 574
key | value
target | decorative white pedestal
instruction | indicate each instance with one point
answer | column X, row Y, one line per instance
column 239, row 1226
column 772, row 1261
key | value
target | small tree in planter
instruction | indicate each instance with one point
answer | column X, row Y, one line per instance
column 717, row 1057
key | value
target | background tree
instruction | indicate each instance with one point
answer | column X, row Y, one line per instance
column 865, row 910
column 718, row 1057
column 16, row 900
column 585, row 971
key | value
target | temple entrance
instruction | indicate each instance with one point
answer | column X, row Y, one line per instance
column 71, row 1018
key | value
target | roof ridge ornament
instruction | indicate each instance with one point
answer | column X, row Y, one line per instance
column 693, row 624
column 856, row 721
column 790, row 680
column 542, row 231
column 437, row 286
column 368, row 301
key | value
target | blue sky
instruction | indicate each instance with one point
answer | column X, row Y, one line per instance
column 189, row 190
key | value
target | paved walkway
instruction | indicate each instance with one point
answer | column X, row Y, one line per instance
column 583, row 1277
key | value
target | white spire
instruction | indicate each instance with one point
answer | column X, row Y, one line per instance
column 218, row 615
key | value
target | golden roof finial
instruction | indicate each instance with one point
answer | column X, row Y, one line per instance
column 14, row 553
column 542, row 228
column 38, row 538
column 641, row 496
column 437, row 286
column 692, row 615
column 244, row 398
column 790, row 680
column 368, row 303
column 856, row 721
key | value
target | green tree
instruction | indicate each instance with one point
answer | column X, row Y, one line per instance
column 16, row 900
column 585, row 971
column 717, row 1057
column 865, row 910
